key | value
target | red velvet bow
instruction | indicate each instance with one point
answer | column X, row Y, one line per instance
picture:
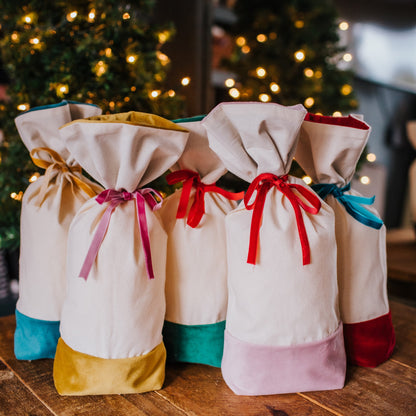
column 191, row 180
column 262, row 184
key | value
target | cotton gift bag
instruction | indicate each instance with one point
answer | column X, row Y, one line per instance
column 328, row 151
column 112, row 318
column 48, row 207
column 283, row 331
column 196, row 268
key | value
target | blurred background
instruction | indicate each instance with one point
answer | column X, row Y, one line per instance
column 179, row 59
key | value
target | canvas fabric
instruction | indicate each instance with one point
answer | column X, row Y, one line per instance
column 328, row 151
column 113, row 315
column 196, row 269
column 48, row 206
column 282, row 315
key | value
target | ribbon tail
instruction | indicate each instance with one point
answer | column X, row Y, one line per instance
column 361, row 214
column 144, row 234
column 183, row 201
column 96, row 242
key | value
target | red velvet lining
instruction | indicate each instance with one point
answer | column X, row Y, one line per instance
column 338, row 121
column 369, row 343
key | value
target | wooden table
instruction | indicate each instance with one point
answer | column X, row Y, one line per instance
column 26, row 388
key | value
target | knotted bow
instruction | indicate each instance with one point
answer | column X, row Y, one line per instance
column 55, row 167
column 352, row 203
column 115, row 198
column 191, row 180
column 262, row 184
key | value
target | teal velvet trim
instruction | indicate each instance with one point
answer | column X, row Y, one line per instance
column 34, row 338
column 189, row 119
column 62, row 103
column 201, row 344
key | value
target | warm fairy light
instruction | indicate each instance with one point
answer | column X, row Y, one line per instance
column 261, row 72
column 131, row 59
column 34, row 177
column 112, row 105
column 272, row 35
column 34, row 41
column 346, row 89
column 133, row 88
column 299, row 24
column 164, row 59
column 365, row 180
column 337, row 114
column 347, row 57
column 371, row 157
column 229, row 82
column 126, row 99
column 171, row 93
column 185, row 81
column 318, row 74
column 245, row 49
column 234, row 93
column 308, row 72
column 155, row 93
column 71, row 16
column 163, row 36
column 274, row 87
column 108, row 52
column 63, row 89
column 307, row 179
column 126, row 16
column 27, row 19
column 344, row 25
column 309, row 102
column 100, row 68
column 23, row 107
column 265, row 98
column 15, row 37
column 299, row 55
column 240, row 41
column 91, row 15
column 16, row 197
column 261, row 37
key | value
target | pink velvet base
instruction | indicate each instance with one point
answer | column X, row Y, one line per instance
column 250, row 369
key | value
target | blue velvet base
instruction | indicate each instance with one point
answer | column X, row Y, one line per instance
column 201, row 344
column 34, row 338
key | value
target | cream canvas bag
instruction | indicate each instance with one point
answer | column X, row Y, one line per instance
column 196, row 268
column 328, row 151
column 112, row 318
column 48, row 207
column 283, row 331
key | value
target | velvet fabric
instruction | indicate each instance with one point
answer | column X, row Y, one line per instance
column 201, row 344
column 35, row 338
column 76, row 373
column 370, row 343
column 252, row 369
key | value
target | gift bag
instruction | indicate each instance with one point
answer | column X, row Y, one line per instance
column 328, row 151
column 48, row 207
column 283, row 331
column 112, row 318
column 196, row 268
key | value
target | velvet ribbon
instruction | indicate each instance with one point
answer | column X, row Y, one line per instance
column 261, row 185
column 191, row 179
column 115, row 198
column 55, row 166
column 352, row 203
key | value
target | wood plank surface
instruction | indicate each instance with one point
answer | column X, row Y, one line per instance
column 26, row 388
column 401, row 261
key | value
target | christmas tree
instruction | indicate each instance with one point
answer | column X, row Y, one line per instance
column 105, row 52
column 288, row 52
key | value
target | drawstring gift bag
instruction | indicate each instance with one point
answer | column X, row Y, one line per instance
column 196, row 268
column 48, row 207
column 112, row 317
column 328, row 151
column 283, row 332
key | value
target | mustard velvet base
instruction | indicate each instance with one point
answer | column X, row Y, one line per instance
column 78, row 374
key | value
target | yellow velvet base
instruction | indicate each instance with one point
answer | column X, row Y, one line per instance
column 78, row 374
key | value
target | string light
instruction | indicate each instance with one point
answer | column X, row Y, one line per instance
column 16, row 197
column 15, row 37
column 171, row 93
column 100, row 68
column 71, row 16
column 126, row 99
column 234, row 93
column 23, row 107
column 112, row 105
column 34, row 41
column 337, row 114
column 264, row 98
column 299, row 55
column 307, row 179
column 275, row 88
column 27, row 19
column 371, row 157
column 163, row 36
column 164, row 59
column 309, row 102
column 155, row 93
column 261, row 38
column 61, row 90
column 108, row 52
column 229, row 82
column 133, row 88
column 318, row 74
column 34, row 177
column 261, row 72
column 131, row 59
column 272, row 35
column 240, row 41
column 347, row 57
column 91, row 15
column 346, row 89
column 126, row 16
column 185, row 81
column 343, row 25
column 299, row 24
column 245, row 49
column 308, row 72
column 365, row 180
